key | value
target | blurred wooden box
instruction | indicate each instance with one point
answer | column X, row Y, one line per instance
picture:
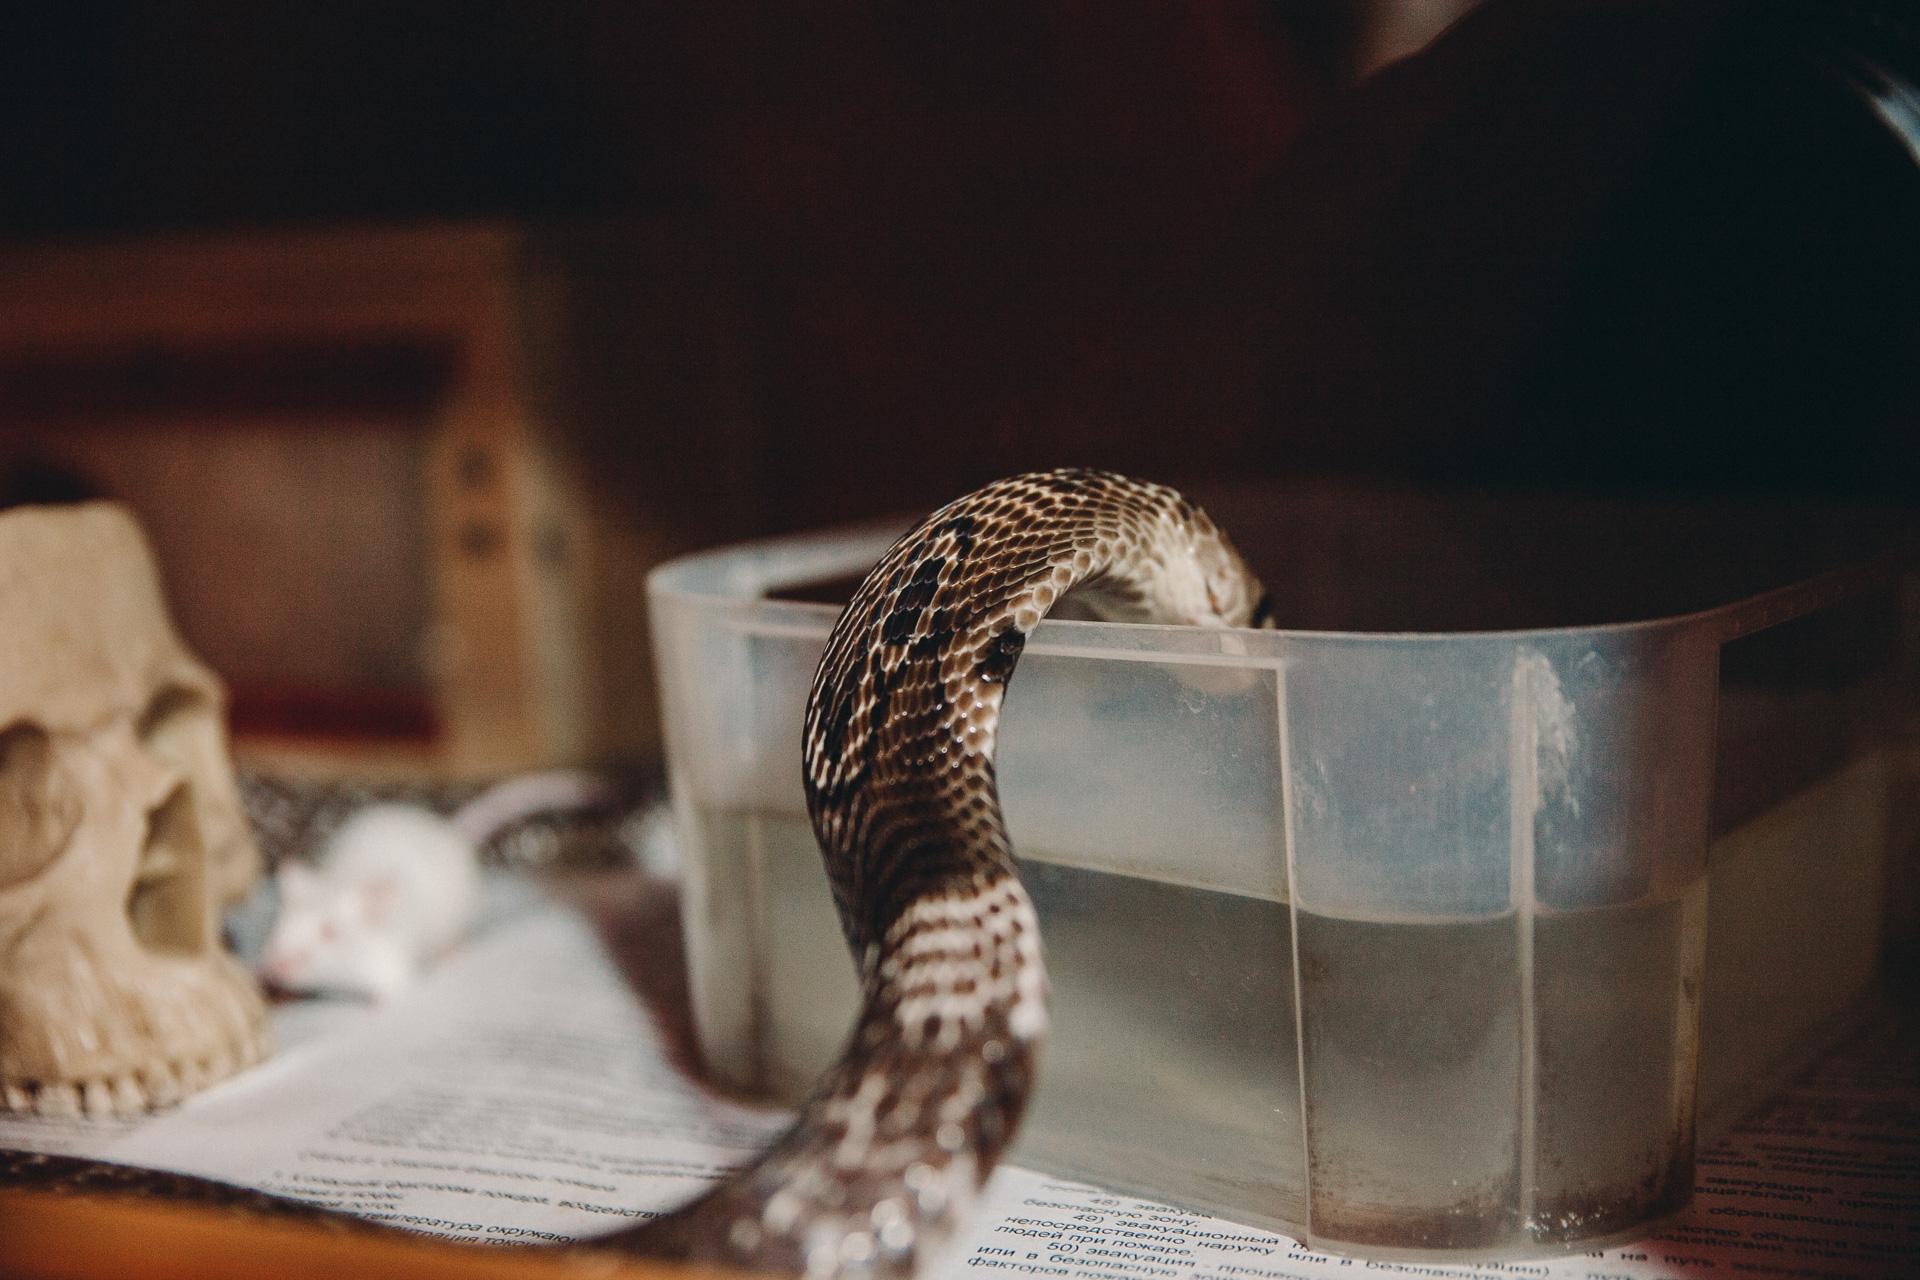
column 405, row 483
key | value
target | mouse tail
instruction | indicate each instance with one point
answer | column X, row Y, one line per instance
column 509, row 801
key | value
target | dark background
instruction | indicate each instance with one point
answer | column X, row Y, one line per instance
column 1607, row 246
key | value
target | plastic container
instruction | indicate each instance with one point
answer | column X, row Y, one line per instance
column 1412, row 944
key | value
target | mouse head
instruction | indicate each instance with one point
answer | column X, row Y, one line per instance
column 331, row 936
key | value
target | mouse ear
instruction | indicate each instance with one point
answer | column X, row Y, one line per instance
column 379, row 896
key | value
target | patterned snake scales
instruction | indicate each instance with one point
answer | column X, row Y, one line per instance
column 898, row 1137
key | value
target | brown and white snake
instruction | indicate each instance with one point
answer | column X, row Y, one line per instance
column 898, row 1137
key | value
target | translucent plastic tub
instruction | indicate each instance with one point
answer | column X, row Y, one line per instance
column 1423, row 944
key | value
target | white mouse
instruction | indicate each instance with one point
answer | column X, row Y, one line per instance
column 396, row 886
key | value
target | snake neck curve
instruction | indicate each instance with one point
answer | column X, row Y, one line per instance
column 897, row 1138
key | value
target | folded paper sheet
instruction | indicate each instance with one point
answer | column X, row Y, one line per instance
column 522, row 1095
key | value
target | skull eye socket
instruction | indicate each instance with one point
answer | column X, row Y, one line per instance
column 183, row 728
column 177, row 716
column 38, row 810
column 167, row 904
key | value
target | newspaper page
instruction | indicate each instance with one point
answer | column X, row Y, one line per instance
column 521, row 1095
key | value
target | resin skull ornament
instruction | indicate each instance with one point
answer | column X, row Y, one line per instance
column 121, row 831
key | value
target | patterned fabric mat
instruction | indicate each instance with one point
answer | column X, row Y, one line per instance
column 291, row 818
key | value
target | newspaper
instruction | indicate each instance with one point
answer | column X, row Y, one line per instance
column 522, row 1095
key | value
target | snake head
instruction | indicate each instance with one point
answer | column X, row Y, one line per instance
column 1203, row 581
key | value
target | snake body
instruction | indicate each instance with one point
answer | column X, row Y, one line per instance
column 898, row 1137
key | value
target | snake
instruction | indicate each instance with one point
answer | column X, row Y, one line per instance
column 895, row 1142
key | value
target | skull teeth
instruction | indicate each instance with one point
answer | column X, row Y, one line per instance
column 128, row 1097
column 153, row 1088
column 162, row 1085
column 96, row 1098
